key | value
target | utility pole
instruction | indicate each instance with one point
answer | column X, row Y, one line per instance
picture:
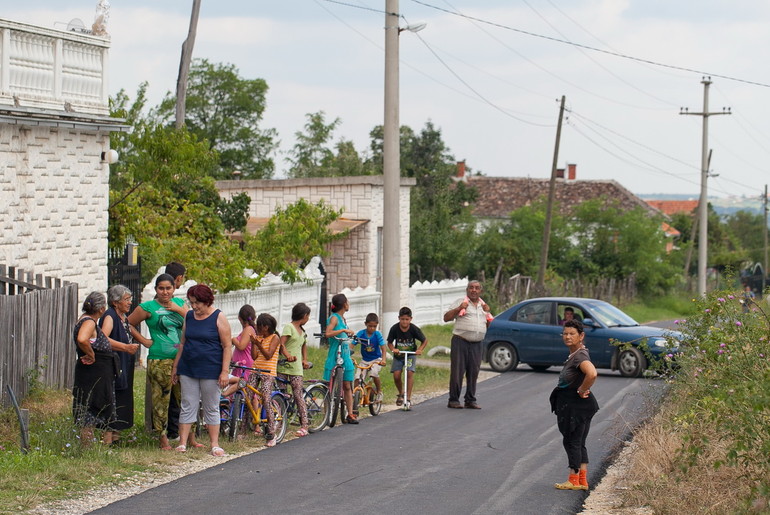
column 184, row 65
column 703, row 203
column 540, row 285
column 391, row 169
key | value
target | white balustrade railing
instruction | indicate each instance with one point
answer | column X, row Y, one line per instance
column 430, row 300
column 53, row 69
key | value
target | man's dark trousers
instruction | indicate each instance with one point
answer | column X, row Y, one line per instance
column 466, row 361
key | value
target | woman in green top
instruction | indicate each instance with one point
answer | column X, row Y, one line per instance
column 293, row 344
column 164, row 316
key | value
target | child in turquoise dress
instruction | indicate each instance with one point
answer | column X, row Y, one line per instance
column 335, row 326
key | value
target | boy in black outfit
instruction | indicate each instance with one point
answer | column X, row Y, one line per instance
column 404, row 336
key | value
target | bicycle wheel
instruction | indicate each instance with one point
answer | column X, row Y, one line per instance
column 375, row 404
column 278, row 405
column 336, row 397
column 199, row 424
column 317, row 403
column 236, row 416
column 356, row 401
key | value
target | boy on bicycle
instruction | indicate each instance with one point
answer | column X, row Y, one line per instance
column 404, row 336
column 373, row 352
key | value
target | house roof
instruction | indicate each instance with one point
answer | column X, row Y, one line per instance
column 253, row 226
column 498, row 196
column 671, row 207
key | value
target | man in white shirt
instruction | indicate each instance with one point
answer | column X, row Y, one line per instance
column 471, row 315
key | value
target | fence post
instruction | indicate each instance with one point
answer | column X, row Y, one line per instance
column 23, row 415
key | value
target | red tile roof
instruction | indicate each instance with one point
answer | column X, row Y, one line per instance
column 671, row 207
column 498, row 196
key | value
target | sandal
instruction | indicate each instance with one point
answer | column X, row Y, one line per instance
column 217, row 452
column 181, row 448
column 399, row 400
column 198, row 445
column 302, row 432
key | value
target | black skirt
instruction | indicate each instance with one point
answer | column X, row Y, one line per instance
column 93, row 394
column 124, row 394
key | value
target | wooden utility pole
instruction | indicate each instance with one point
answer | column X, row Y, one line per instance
column 549, row 209
column 184, row 65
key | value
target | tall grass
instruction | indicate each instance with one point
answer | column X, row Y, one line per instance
column 708, row 450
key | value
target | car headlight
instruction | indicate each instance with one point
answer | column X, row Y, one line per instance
column 659, row 342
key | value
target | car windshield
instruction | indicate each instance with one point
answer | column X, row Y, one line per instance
column 611, row 316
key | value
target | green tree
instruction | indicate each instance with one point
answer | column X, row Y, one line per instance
column 226, row 110
column 747, row 228
column 613, row 242
column 293, row 235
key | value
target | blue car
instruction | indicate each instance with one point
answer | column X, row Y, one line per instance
column 530, row 332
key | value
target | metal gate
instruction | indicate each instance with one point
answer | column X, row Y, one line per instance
column 126, row 269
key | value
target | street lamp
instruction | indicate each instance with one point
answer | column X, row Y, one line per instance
column 391, row 169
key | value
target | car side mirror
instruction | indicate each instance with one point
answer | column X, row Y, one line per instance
column 589, row 322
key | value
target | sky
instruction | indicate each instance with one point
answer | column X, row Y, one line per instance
column 488, row 74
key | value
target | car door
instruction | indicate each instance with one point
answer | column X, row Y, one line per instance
column 597, row 341
column 538, row 334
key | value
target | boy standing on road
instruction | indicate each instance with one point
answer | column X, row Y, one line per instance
column 404, row 336
column 373, row 349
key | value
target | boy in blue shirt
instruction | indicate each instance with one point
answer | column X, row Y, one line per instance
column 373, row 352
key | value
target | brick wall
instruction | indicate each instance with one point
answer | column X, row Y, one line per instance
column 53, row 203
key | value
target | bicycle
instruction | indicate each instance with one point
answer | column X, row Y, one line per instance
column 365, row 393
column 337, row 408
column 405, row 374
column 256, row 415
column 316, row 397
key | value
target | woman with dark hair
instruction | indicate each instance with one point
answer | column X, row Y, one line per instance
column 164, row 316
column 575, row 405
column 93, row 393
column 114, row 323
column 202, row 365
column 335, row 326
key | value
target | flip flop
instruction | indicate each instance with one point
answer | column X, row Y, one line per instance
column 399, row 400
column 218, row 452
column 302, row 432
column 181, row 448
column 198, row 445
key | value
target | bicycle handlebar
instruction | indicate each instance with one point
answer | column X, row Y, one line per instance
column 259, row 370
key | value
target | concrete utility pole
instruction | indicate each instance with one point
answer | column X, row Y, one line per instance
column 703, row 202
column 540, row 285
column 184, row 65
column 391, row 168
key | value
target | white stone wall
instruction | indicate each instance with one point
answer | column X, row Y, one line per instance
column 53, row 203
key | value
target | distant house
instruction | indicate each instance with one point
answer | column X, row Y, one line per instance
column 498, row 196
column 354, row 261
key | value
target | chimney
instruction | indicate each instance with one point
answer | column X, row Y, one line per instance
column 560, row 173
column 571, row 171
column 461, row 170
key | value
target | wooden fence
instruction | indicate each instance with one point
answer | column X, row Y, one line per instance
column 37, row 315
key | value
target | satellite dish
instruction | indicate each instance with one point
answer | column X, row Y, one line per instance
column 76, row 25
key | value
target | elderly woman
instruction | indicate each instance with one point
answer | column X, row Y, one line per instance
column 114, row 323
column 93, row 393
column 202, row 364
column 575, row 405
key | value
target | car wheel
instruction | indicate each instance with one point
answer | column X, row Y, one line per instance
column 539, row 368
column 631, row 363
column 502, row 357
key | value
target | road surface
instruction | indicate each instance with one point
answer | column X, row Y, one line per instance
column 503, row 458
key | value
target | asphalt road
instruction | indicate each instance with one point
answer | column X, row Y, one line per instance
column 503, row 458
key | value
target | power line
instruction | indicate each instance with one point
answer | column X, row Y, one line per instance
column 588, row 47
